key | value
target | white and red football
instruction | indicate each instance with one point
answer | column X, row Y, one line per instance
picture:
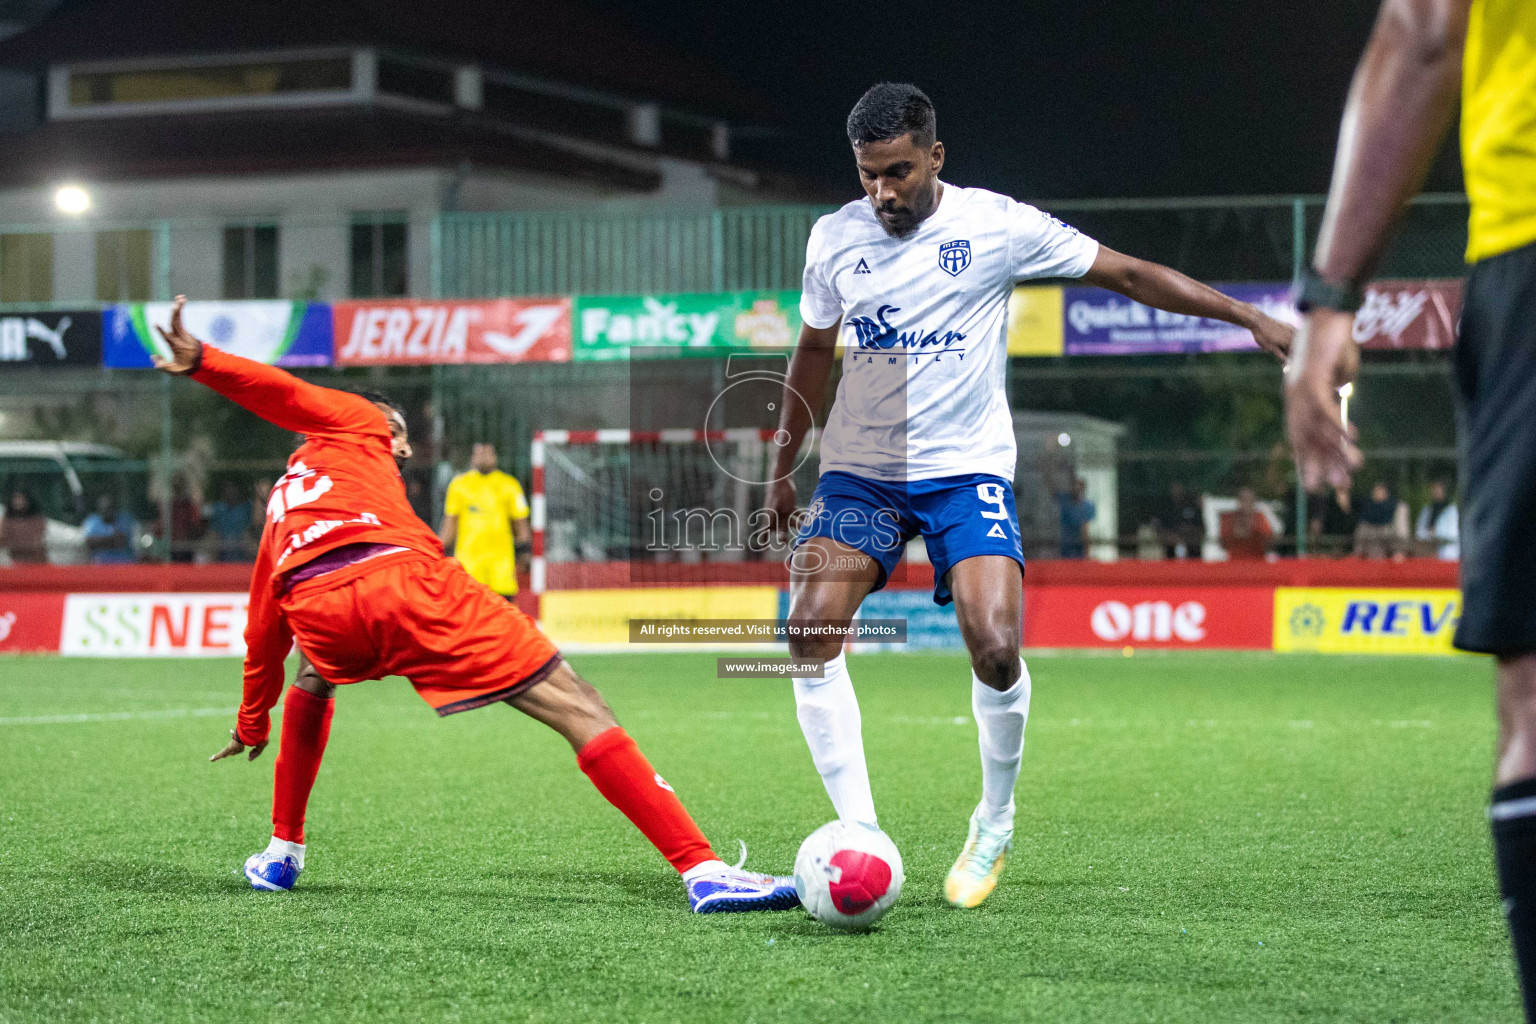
column 848, row 874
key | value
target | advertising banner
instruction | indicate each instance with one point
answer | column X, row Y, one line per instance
column 1101, row 323
column 608, row 326
column 30, row 622
column 51, row 338
column 929, row 626
column 1169, row 617
column 1034, row 322
column 406, row 332
column 600, row 618
column 1409, row 314
column 275, row 332
column 154, row 625
column 1336, row 620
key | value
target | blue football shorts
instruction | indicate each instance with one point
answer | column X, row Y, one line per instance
column 959, row 517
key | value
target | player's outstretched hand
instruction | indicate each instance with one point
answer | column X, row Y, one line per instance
column 1326, row 357
column 234, row 746
column 781, row 504
column 1274, row 336
column 186, row 351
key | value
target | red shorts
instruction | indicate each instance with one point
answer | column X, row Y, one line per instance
column 460, row 644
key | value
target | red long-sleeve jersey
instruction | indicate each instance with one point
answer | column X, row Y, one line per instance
column 342, row 487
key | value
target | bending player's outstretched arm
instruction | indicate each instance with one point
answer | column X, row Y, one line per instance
column 805, row 387
column 1153, row 284
column 275, row 395
column 267, row 643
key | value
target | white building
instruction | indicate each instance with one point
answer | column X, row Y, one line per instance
column 272, row 148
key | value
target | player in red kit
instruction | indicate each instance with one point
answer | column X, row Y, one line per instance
column 348, row 572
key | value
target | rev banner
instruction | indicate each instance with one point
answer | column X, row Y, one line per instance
column 405, row 332
column 53, row 337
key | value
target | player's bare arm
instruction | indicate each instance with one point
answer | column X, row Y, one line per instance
column 1400, row 106
column 809, row 370
column 448, row 532
column 1153, row 284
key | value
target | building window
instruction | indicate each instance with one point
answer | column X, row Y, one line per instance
column 415, row 81
column 558, row 113
column 379, row 257
column 209, row 82
column 124, row 265
column 250, row 262
column 26, row 268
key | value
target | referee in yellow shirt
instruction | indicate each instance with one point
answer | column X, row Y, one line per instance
column 485, row 516
column 1402, row 102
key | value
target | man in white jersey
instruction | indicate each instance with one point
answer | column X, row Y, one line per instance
column 915, row 280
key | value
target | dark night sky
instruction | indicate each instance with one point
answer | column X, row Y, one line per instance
column 1053, row 100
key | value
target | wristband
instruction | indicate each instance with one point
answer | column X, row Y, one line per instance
column 1315, row 293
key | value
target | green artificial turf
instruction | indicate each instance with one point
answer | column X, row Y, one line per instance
column 1200, row 838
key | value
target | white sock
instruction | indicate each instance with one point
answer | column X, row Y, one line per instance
column 1000, row 717
column 829, row 717
column 704, row 867
column 282, row 848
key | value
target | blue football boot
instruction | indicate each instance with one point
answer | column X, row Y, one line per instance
column 732, row 890
column 276, row 868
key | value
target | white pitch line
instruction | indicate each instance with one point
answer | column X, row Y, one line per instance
column 117, row 716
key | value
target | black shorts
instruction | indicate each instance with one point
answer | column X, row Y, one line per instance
column 1496, row 438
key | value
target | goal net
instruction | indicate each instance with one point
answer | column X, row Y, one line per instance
column 620, row 508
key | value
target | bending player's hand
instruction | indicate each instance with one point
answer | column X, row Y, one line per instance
column 186, row 351
column 1326, row 358
column 781, row 505
column 1274, row 336
column 234, row 746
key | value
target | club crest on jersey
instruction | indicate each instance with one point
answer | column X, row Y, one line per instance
column 862, row 267
column 955, row 256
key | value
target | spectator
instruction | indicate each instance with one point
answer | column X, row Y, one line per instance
column 229, row 525
column 420, row 496
column 1076, row 513
column 24, row 530
column 1149, row 541
column 1439, row 526
column 1331, row 521
column 261, row 490
column 109, row 533
column 187, row 522
column 1383, row 528
column 1245, row 531
column 1182, row 522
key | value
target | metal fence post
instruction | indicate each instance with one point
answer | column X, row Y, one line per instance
column 1298, row 267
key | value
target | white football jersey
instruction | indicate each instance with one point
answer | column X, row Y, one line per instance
column 925, row 321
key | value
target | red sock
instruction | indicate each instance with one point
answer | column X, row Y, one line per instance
column 306, row 727
column 622, row 774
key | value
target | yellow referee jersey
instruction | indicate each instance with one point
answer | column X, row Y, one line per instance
column 1498, row 126
column 486, row 504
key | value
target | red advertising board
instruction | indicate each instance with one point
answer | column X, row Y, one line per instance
column 1169, row 617
column 1409, row 314
column 30, row 622
column 409, row 332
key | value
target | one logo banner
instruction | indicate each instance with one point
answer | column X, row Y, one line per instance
column 1101, row 323
column 408, row 332
column 154, row 625
column 1170, row 617
column 1336, row 620
column 52, row 338
column 608, row 326
column 275, row 332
